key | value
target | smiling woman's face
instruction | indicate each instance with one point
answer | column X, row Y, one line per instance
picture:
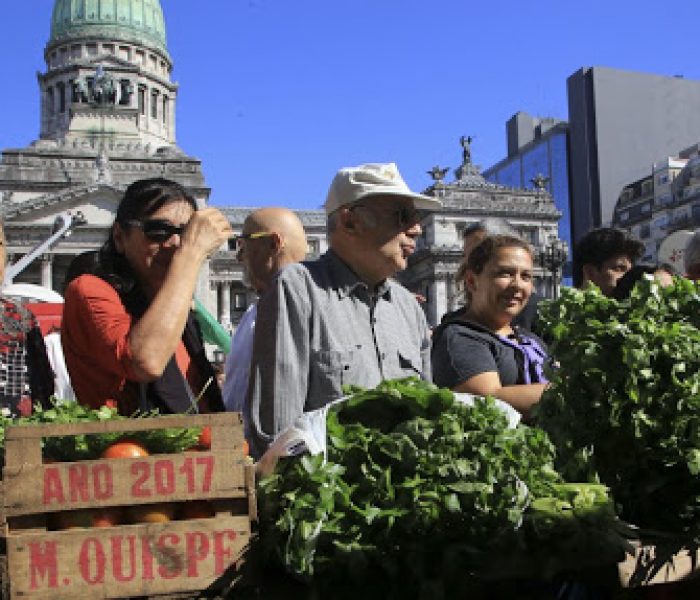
column 151, row 260
column 503, row 287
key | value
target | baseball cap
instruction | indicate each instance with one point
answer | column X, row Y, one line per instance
column 351, row 184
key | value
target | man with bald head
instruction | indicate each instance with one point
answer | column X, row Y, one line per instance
column 272, row 238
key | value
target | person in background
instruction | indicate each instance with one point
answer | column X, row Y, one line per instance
column 478, row 349
column 26, row 377
column 271, row 239
column 691, row 257
column 662, row 273
column 473, row 235
column 128, row 335
column 341, row 319
column 604, row 255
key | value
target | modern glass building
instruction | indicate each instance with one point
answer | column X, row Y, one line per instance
column 537, row 149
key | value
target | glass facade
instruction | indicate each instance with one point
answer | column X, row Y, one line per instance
column 546, row 156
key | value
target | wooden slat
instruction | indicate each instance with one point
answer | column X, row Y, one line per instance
column 652, row 565
column 131, row 560
column 230, row 423
column 42, row 488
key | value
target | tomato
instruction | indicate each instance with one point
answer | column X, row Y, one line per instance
column 196, row 509
column 124, row 449
column 204, row 440
column 88, row 517
column 151, row 513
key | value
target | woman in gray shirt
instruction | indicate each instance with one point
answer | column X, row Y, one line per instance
column 477, row 349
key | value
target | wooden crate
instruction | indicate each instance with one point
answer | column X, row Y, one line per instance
column 145, row 559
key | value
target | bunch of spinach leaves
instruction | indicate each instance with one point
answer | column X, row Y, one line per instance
column 418, row 495
column 624, row 406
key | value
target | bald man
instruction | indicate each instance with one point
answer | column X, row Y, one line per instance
column 271, row 239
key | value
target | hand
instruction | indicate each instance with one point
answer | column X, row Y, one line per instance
column 206, row 231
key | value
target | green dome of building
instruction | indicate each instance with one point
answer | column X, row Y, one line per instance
column 135, row 21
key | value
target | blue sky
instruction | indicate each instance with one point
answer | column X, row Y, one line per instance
column 276, row 95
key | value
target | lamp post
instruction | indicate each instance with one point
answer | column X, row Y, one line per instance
column 551, row 257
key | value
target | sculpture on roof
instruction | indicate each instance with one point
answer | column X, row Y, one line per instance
column 540, row 182
column 466, row 143
column 438, row 174
column 103, row 89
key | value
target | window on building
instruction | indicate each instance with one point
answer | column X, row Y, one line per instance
column 240, row 301
column 646, row 208
column 663, row 179
column 314, row 247
column 644, row 231
column 624, row 216
column 647, row 187
column 49, row 100
column 529, row 234
column 61, row 87
column 125, row 92
column 154, row 104
column 142, row 101
column 164, row 112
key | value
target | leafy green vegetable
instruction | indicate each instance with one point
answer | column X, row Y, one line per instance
column 624, row 407
column 419, row 493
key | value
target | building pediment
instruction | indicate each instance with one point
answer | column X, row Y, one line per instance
column 97, row 202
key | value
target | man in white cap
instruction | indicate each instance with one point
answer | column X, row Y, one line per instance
column 341, row 319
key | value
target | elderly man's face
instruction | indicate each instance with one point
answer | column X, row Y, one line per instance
column 391, row 226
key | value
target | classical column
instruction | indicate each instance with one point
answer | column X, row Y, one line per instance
column 226, row 304
column 46, row 275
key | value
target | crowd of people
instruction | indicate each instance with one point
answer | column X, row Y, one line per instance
column 130, row 338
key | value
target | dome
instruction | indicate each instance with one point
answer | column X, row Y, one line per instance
column 135, row 21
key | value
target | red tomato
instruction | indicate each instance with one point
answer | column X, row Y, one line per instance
column 151, row 513
column 204, row 440
column 124, row 449
column 88, row 517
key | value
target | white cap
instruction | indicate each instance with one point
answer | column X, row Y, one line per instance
column 373, row 179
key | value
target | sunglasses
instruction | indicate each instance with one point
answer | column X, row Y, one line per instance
column 236, row 242
column 406, row 216
column 158, row 230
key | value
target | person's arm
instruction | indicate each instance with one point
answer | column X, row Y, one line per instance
column 280, row 365
column 521, row 397
column 153, row 339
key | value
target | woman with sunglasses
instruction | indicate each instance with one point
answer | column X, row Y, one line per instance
column 477, row 349
column 128, row 334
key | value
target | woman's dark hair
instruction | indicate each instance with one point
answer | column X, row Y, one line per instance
column 141, row 199
column 626, row 283
column 489, row 246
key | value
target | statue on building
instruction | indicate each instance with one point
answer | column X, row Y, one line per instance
column 438, row 174
column 104, row 91
column 80, row 90
column 540, row 182
column 466, row 143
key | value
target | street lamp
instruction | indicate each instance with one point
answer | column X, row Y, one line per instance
column 552, row 257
